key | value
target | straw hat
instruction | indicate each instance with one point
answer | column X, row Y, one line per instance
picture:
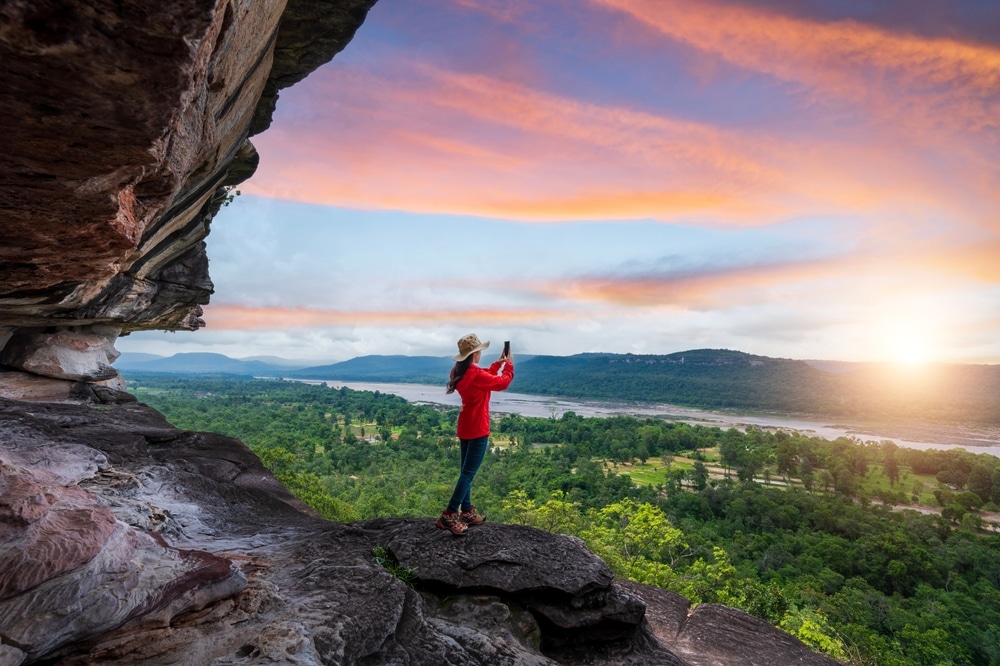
column 470, row 344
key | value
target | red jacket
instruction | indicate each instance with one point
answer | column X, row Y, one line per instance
column 475, row 388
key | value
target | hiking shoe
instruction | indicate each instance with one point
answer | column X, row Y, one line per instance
column 452, row 522
column 470, row 517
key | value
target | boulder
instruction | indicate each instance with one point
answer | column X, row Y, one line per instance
column 717, row 634
column 83, row 354
column 712, row 634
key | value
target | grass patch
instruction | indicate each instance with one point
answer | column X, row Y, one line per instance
column 912, row 485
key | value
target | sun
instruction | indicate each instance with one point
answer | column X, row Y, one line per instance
column 904, row 341
column 911, row 352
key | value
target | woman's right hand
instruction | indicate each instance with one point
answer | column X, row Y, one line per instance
column 509, row 358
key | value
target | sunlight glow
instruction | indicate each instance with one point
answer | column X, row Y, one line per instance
column 906, row 342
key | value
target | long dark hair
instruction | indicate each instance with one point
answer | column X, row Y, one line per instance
column 458, row 372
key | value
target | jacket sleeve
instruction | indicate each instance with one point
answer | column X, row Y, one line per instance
column 491, row 381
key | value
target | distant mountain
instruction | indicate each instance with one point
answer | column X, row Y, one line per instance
column 282, row 362
column 702, row 378
column 132, row 358
column 407, row 369
column 198, row 363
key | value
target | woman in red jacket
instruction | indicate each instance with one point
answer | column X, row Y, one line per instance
column 474, row 385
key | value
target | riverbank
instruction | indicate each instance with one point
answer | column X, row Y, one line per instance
column 977, row 439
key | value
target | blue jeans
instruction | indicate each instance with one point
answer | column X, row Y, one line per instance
column 473, row 452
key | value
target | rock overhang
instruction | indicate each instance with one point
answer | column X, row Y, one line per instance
column 126, row 125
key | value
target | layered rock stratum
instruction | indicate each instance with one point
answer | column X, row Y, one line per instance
column 125, row 540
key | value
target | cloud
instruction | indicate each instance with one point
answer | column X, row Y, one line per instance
column 471, row 144
column 222, row 316
column 926, row 84
column 920, row 274
column 505, row 11
column 702, row 289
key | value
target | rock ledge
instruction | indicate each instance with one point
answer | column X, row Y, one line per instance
column 123, row 539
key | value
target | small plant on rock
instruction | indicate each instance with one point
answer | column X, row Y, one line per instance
column 387, row 561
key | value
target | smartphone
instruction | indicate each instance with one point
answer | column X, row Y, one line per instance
column 506, row 349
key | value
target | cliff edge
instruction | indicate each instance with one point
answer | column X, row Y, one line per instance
column 125, row 540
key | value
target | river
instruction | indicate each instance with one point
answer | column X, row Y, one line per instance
column 916, row 436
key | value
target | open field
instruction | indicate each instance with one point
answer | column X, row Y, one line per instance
column 917, row 488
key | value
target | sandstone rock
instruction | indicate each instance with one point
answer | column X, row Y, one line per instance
column 46, row 528
column 555, row 577
column 78, row 354
column 495, row 556
column 494, row 631
column 666, row 611
column 133, row 575
column 125, row 126
column 71, row 571
column 716, row 634
column 27, row 386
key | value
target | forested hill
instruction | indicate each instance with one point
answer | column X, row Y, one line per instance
column 723, row 379
column 409, row 369
column 709, row 378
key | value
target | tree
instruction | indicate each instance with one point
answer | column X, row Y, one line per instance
column 699, row 475
column 981, row 483
column 891, row 465
column 729, row 452
column 632, row 538
column 787, row 457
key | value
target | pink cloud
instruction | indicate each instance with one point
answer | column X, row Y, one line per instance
column 913, row 270
column 225, row 316
column 427, row 140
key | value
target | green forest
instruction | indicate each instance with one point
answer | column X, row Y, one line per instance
column 809, row 534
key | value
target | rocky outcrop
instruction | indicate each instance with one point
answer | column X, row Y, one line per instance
column 125, row 128
column 124, row 540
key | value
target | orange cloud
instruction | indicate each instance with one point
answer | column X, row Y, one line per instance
column 698, row 290
column 433, row 141
column 915, row 271
column 471, row 144
column 978, row 262
column 222, row 316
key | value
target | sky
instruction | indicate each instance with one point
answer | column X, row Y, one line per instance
column 797, row 179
